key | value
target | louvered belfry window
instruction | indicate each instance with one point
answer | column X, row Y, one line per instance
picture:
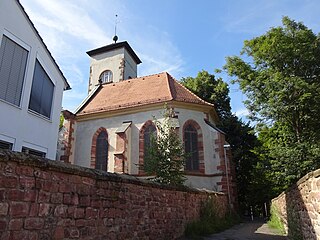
column 191, row 148
column 13, row 61
column 41, row 92
column 102, row 151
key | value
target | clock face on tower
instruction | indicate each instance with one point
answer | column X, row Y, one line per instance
column 105, row 77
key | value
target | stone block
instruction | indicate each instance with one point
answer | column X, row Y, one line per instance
column 19, row 209
column 44, row 196
column 56, row 198
column 58, row 233
column 61, row 211
column 79, row 213
column 4, row 208
column 9, row 181
column 34, row 209
column 16, row 224
column 3, row 224
column 27, row 182
column 33, row 223
column 45, row 209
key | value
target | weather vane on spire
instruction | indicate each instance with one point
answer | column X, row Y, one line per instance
column 115, row 38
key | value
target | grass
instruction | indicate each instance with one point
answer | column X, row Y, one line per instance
column 275, row 221
column 210, row 222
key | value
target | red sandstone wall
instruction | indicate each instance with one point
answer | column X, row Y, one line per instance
column 299, row 207
column 43, row 199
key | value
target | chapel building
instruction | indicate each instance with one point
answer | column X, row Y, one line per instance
column 111, row 128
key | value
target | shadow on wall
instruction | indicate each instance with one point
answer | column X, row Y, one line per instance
column 298, row 219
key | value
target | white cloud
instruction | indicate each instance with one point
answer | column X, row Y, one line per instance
column 71, row 18
column 249, row 17
column 70, row 28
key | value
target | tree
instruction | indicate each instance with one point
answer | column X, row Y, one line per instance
column 239, row 135
column 166, row 158
column 280, row 74
column 61, row 121
column 211, row 89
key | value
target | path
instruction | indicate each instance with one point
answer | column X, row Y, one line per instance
column 248, row 231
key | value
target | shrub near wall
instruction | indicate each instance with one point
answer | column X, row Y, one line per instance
column 299, row 208
column 43, row 199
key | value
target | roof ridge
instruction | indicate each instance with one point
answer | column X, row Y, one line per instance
column 134, row 79
column 161, row 73
column 171, row 89
column 199, row 98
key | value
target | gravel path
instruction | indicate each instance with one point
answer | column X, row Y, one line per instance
column 248, row 231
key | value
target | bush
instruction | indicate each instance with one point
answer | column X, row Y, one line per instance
column 166, row 157
column 210, row 222
column 275, row 221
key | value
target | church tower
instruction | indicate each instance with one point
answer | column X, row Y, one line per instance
column 112, row 63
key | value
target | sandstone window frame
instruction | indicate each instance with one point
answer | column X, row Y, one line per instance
column 106, row 77
column 142, row 143
column 95, row 147
column 197, row 158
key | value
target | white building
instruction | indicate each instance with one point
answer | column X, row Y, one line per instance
column 31, row 86
column 112, row 127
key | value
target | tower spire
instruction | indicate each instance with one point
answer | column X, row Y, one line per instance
column 115, row 38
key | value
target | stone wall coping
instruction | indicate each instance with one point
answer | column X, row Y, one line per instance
column 313, row 174
column 59, row 166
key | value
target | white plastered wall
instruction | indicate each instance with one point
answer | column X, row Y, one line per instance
column 130, row 66
column 211, row 158
column 86, row 129
column 18, row 125
column 111, row 60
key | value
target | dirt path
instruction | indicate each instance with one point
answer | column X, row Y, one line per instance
column 248, row 231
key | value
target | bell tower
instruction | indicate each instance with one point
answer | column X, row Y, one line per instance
column 112, row 63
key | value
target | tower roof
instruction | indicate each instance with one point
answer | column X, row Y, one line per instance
column 157, row 88
column 114, row 46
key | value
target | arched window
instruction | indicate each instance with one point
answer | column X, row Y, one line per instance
column 149, row 133
column 99, row 150
column 146, row 132
column 106, row 77
column 191, row 147
column 102, row 151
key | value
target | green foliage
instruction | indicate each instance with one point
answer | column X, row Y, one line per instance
column 210, row 221
column 212, row 90
column 288, row 160
column 275, row 221
column 61, row 121
column 241, row 137
column 282, row 78
column 279, row 72
column 166, row 157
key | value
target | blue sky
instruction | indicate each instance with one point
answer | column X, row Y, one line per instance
column 178, row 36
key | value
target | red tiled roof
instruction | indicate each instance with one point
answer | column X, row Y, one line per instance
column 140, row 91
